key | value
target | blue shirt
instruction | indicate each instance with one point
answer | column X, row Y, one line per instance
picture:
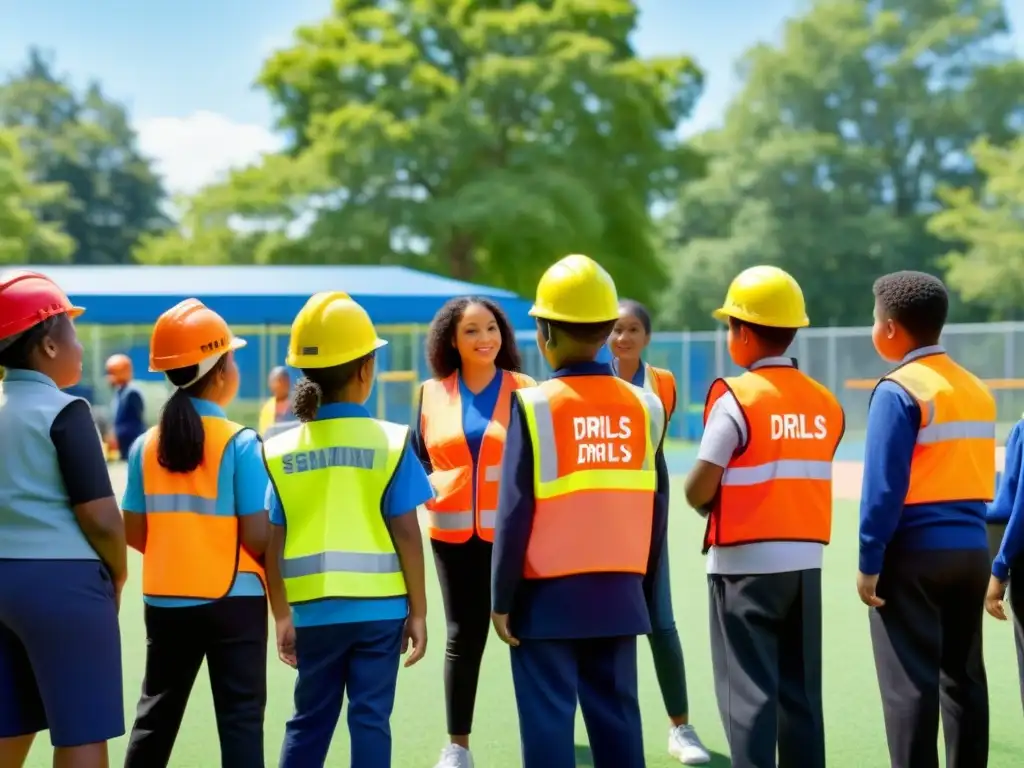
column 241, row 484
column 409, row 489
column 581, row 606
column 1008, row 506
column 886, row 522
column 129, row 412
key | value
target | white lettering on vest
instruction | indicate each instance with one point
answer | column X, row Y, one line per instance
column 599, row 442
column 793, row 426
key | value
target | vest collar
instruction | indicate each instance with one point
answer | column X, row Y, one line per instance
column 774, row 362
column 23, row 374
column 931, row 349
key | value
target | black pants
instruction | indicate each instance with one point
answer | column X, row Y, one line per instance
column 928, row 654
column 231, row 635
column 766, row 652
column 464, row 571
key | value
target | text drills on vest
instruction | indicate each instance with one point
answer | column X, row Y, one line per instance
column 599, row 440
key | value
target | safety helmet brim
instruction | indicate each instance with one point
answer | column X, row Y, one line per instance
column 724, row 313
column 165, row 364
column 313, row 362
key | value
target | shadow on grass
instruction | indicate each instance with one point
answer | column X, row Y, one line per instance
column 586, row 760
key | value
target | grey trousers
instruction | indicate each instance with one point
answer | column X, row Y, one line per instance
column 766, row 651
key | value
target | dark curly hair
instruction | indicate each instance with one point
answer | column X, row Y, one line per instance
column 319, row 386
column 441, row 352
column 916, row 300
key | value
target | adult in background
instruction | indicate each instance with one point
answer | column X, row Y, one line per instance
column 62, row 542
column 194, row 507
column 128, row 411
column 459, row 435
column 277, row 414
column 630, row 337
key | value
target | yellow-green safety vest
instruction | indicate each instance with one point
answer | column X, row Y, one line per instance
column 330, row 477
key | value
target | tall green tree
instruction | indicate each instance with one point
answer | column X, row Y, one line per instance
column 23, row 237
column 988, row 267
column 829, row 159
column 86, row 142
column 480, row 139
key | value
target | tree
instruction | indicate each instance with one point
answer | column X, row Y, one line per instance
column 829, row 158
column 990, row 225
column 86, row 143
column 481, row 140
column 21, row 233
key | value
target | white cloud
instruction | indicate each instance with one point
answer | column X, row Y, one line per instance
column 194, row 151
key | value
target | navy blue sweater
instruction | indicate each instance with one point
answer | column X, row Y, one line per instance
column 570, row 607
column 894, row 419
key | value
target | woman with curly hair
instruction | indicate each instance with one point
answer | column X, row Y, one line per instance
column 630, row 337
column 459, row 435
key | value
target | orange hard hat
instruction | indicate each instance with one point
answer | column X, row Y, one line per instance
column 119, row 364
column 29, row 298
column 187, row 334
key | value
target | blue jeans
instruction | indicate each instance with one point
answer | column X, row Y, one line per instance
column 360, row 659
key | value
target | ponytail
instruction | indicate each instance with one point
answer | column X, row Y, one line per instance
column 306, row 399
column 182, row 438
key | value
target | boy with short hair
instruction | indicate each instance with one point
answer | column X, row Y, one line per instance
column 929, row 470
column 763, row 477
column 582, row 515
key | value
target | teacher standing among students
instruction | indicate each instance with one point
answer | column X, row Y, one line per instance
column 459, row 435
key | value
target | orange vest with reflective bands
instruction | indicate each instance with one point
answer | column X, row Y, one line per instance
column 779, row 487
column 662, row 383
column 955, row 455
column 191, row 551
column 454, row 513
column 594, row 441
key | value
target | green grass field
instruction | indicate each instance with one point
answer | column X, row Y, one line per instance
column 852, row 710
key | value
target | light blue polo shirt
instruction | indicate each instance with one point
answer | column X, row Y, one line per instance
column 241, row 484
column 408, row 489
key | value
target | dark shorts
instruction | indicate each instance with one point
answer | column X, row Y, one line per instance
column 60, row 652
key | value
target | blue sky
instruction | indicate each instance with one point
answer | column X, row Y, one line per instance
column 185, row 67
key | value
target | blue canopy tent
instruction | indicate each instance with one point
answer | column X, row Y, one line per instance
column 262, row 301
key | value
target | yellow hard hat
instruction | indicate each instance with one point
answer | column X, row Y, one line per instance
column 765, row 296
column 331, row 330
column 576, row 290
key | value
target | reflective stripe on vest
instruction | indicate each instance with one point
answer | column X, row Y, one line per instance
column 594, row 442
column 955, row 455
column 779, row 487
column 191, row 551
column 454, row 513
column 662, row 383
column 330, row 477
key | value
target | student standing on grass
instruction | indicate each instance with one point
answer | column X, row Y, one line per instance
column 630, row 337
column 128, row 411
column 193, row 507
column 1007, row 511
column 345, row 564
column 62, row 544
column 277, row 415
column 763, row 477
column 582, row 515
column 459, row 436
column 929, row 469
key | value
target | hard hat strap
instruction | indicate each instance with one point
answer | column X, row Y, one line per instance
column 203, row 368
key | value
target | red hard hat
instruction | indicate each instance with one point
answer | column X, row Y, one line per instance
column 28, row 298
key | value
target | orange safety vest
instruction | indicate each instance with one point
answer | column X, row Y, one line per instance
column 955, row 455
column 662, row 383
column 454, row 513
column 594, row 442
column 191, row 552
column 779, row 487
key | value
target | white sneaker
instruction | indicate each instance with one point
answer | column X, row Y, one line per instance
column 454, row 756
column 684, row 745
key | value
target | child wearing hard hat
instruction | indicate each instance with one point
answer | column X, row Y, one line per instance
column 194, row 507
column 763, row 477
column 345, row 562
column 582, row 514
column 128, row 414
column 62, row 542
column 929, row 469
column 276, row 415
